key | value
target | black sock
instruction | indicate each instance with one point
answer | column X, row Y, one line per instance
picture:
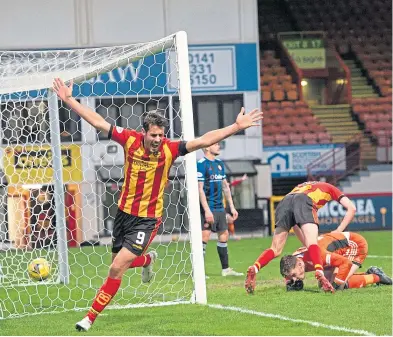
column 222, row 249
column 204, row 244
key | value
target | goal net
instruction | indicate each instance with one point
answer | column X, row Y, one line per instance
column 60, row 178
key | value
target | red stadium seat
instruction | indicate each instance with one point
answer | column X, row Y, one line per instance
column 266, row 95
column 384, row 117
column 268, row 140
column 301, row 104
column 301, row 128
column 296, row 138
column 273, row 105
column 282, row 139
column 287, row 104
column 278, row 95
column 310, row 138
column 292, row 95
column 324, row 138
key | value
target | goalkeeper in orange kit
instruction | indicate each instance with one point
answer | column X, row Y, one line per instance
column 342, row 254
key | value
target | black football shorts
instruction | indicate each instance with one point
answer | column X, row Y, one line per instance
column 133, row 232
column 220, row 222
column 295, row 209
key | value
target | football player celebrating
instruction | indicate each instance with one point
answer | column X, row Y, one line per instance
column 148, row 158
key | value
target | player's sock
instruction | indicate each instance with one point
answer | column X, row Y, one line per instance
column 104, row 296
column 204, row 244
column 263, row 259
column 315, row 256
column 141, row 261
column 222, row 249
column 361, row 280
column 231, row 229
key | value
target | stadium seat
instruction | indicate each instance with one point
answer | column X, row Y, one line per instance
column 273, row 105
column 278, row 95
column 282, row 139
column 296, row 138
column 266, row 94
column 324, row 138
column 268, row 140
column 287, row 104
column 310, row 138
column 292, row 95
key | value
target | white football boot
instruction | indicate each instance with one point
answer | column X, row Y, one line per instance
column 147, row 272
column 84, row 325
column 230, row 272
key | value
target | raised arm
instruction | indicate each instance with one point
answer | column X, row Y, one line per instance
column 243, row 121
column 93, row 118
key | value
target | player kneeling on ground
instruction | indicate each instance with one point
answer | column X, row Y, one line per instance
column 298, row 210
column 342, row 253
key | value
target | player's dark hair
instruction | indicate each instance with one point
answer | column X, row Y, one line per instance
column 154, row 117
column 287, row 263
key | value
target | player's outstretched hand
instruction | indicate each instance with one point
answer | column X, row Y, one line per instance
column 244, row 120
column 62, row 90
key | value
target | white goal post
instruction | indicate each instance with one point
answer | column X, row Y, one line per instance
column 63, row 177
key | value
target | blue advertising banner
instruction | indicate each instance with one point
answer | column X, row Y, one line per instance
column 373, row 211
column 292, row 161
column 213, row 68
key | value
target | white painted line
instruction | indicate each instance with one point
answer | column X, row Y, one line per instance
column 284, row 318
column 109, row 307
column 378, row 257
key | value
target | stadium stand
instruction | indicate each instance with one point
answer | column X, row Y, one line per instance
column 361, row 32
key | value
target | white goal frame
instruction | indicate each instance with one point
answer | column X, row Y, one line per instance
column 29, row 82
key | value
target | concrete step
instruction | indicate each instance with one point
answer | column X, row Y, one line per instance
column 337, row 117
column 333, row 122
column 332, row 113
column 342, row 138
column 332, row 108
column 358, row 79
column 332, row 128
column 361, row 87
column 357, row 95
column 356, row 73
column 359, row 82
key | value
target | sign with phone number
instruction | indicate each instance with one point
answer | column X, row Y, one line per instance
column 210, row 68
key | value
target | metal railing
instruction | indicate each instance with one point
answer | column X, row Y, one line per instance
column 338, row 163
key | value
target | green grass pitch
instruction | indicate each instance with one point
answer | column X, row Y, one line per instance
column 368, row 309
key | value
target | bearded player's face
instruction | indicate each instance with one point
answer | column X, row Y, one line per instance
column 153, row 138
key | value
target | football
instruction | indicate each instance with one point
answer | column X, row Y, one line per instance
column 39, row 269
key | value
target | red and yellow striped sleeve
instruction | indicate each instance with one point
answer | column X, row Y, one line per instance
column 121, row 135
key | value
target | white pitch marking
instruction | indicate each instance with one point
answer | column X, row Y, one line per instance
column 284, row 318
column 378, row 257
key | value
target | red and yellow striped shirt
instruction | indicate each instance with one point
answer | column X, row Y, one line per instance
column 319, row 192
column 145, row 173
